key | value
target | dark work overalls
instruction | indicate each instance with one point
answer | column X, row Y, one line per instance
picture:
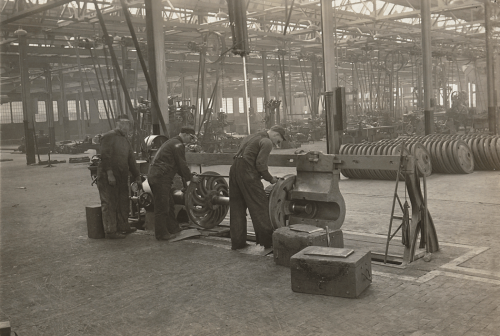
column 168, row 161
column 116, row 155
column 247, row 191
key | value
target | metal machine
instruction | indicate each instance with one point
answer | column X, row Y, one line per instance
column 312, row 196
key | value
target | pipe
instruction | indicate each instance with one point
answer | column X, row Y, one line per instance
column 245, row 100
column 427, row 64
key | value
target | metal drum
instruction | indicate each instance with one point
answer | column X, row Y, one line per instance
column 153, row 143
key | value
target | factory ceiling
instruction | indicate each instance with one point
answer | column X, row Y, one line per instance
column 385, row 34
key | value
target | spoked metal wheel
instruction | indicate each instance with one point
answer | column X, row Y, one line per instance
column 279, row 201
column 207, row 202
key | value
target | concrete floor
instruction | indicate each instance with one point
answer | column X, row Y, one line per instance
column 56, row 281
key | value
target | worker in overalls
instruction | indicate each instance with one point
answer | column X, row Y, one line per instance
column 168, row 161
column 117, row 160
column 246, row 189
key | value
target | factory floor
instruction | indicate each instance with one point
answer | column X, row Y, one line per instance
column 56, row 281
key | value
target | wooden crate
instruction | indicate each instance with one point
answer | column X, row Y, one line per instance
column 318, row 270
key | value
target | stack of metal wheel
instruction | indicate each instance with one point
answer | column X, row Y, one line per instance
column 417, row 150
column 371, row 148
column 485, row 150
column 447, row 155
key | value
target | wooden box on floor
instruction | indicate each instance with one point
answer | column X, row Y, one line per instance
column 289, row 240
column 330, row 271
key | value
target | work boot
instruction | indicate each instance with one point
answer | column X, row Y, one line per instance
column 239, row 247
column 185, row 226
column 168, row 236
column 130, row 230
column 175, row 231
column 116, row 235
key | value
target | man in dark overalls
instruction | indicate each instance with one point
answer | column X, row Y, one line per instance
column 246, row 189
column 168, row 161
column 117, row 160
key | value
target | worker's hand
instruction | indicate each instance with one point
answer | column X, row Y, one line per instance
column 195, row 179
column 111, row 178
column 274, row 180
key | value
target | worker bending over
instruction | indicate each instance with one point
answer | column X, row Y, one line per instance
column 168, row 161
column 246, row 189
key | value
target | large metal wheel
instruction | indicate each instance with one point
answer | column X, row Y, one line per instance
column 207, row 202
column 278, row 201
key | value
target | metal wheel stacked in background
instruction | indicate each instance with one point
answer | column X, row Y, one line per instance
column 446, row 155
column 471, row 151
column 369, row 149
column 485, row 149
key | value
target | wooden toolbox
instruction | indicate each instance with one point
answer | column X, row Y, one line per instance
column 291, row 239
column 331, row 271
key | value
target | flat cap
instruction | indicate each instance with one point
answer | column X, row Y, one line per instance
column 188, row 130
column 280, row 130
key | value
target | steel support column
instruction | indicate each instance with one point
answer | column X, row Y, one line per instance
column 427, row 64
column 156, row 57
column 29, row 139
column 78, row 115
column 490, row 70
column 203, row 86
column 355, row 91
column 124, row 51
column 314, row 87
column 332, row 146
column 83, row 109
column 62, row 106
column 49, row 107
column 265, row 84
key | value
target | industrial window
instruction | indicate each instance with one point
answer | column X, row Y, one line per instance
column 5, row 117
column 17, row 112
column 102, row 109
column 86, row 115
column 260, row 104
column 54, row 108
column 71, row 110
column 472, row 95
column 42, row 108
column 227, row 105
column 41, row 114
column 240, row 104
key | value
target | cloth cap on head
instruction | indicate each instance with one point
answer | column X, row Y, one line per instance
column 188, row 130
column 122, row 117
column 280, row 130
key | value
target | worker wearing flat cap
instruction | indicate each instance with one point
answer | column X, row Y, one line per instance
column 246, row 189
column 117, row 160
column 168, row 161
